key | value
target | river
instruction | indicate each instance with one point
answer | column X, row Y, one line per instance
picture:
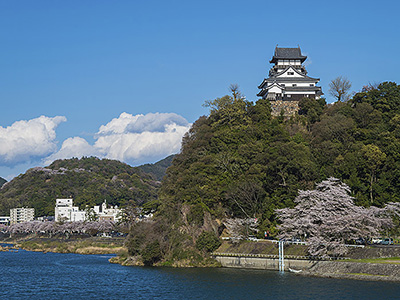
column 36, row 275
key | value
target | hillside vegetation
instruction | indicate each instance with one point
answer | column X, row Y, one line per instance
column 89, row 181
column 158, row 169
column 241, row 162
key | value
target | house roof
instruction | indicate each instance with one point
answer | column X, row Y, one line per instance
column 287, row 53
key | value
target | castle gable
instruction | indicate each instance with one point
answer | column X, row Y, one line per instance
column 288, row 81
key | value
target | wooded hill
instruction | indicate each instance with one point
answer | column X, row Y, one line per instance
column 89, row 181
column 241, row 162
column 158, row 169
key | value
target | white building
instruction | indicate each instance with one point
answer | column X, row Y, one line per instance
column 21, row 214
column 288, row 80
column 5, row 220
column 104, row 213
column 65, row 211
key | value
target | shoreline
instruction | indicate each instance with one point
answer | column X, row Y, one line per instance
column 356, row 270
column 57, row 245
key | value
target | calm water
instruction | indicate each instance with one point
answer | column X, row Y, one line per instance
column 34, row 275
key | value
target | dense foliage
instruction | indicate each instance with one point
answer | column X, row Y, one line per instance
column 158, row 169
column 208, row 242
column 240, row 162
column 89, row 181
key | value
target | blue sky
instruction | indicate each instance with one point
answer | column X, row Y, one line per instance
column 125, row 79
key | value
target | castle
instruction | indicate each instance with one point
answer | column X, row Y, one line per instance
column 288, row 82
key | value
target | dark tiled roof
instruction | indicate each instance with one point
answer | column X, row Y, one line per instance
column 288, row 53
column 292, row 79
column 302, row 88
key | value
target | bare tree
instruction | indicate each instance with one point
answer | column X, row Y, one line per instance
column 234, row 88
column 339, row 88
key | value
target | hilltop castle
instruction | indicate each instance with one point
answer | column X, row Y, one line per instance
column 288, row 82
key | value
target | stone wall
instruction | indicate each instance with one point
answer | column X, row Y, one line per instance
column 289, row 107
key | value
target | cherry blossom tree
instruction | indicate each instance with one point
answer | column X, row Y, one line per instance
column 327, row 217
column 239, row 229
column 65, row 229
column 3, row 227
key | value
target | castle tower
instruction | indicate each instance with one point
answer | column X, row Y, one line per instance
column 288, row 82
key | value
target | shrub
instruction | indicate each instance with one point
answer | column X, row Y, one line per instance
column 208, row 242
column 151, row 253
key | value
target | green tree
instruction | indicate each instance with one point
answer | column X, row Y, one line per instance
column 208, row 242
column 151, row 253
column 374, row 158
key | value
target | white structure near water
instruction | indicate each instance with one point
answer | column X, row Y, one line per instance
column 107, row 214
column 21, row 214
column 65, row 211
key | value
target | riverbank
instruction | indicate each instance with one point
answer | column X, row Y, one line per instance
column 87, row 245
column 381, row 270
column 368, row 263
column 377, row 264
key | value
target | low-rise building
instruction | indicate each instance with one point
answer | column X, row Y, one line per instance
column 65, row 211
column 107, row 214
column 5, row 220
column 21, row 214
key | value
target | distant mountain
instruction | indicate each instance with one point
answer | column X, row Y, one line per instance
column 2, row 181
column 158, row 169
column 89, row 181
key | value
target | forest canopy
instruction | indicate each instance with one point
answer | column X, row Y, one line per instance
column 241, row 162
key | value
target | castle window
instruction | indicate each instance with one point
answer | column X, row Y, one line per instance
column 294, row 84
column 311, row 84
column 290, row 73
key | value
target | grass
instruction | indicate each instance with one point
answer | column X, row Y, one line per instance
column 87, row 246
column 385, row 260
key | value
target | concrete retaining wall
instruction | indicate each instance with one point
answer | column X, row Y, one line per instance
column 263, row 263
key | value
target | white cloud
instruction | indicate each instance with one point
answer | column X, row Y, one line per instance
column 26, row 140
column 73, row 147
column 131, row 139
column 153, row 122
